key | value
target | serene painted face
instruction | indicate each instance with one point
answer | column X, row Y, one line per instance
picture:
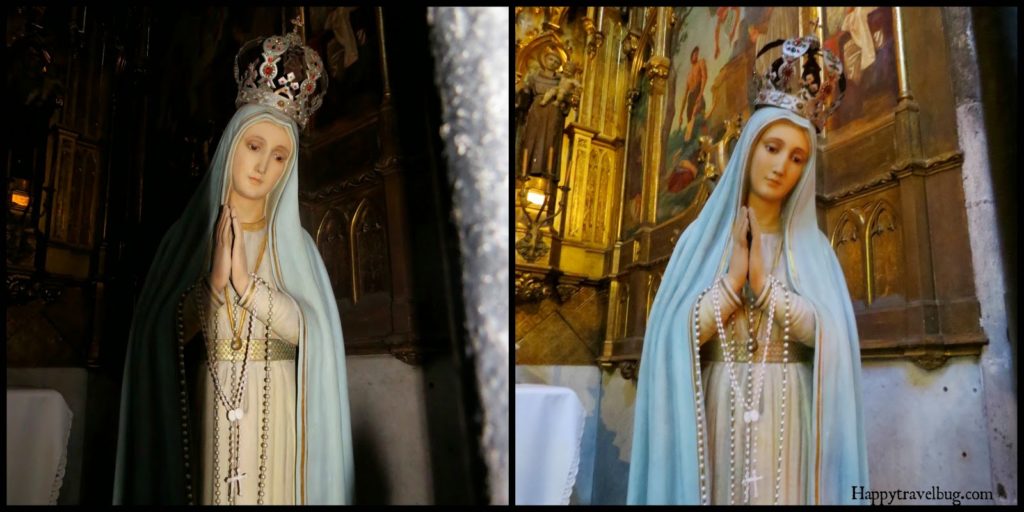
column 260, row 157
column 778, row 159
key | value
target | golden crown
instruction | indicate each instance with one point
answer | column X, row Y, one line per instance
column 283, row 73
column 815, row 94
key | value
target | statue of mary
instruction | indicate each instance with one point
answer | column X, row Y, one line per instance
column 264, row 417
column 749, row 383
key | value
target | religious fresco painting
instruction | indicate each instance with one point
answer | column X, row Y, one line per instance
column 862, row 38
column 712, row 52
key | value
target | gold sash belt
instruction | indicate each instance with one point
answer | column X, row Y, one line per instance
column 279, row 351
column 798, row 352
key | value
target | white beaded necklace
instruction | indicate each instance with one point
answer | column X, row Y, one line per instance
column 234, row 405
column 750, row 400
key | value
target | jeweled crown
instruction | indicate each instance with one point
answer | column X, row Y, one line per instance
column 815, row 94
column 283, row 73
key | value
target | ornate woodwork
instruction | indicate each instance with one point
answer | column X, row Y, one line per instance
column 354, row 202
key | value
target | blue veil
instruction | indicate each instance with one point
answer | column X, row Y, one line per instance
column 150, row 461
column 664, row 466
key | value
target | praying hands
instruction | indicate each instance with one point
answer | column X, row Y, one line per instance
column 746, row 263
column 229, row 261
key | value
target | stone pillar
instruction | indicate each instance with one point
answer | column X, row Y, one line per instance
column 997, row 361
column 471, row 48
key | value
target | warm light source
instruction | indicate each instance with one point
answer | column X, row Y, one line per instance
column 19, row 194
column 19, row 198
column 537, row 191
column 536, row 195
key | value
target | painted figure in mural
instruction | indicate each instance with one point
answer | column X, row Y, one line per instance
column 863, row 37
column 723, row 15
column 856, row 22
column 684, row 174
column 693, row 96
column 263, row 417
column 749, row 383
column 540, row 148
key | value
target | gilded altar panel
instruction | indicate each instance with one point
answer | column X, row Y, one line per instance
column 592, row 197
column 867, row 236
column 884, row 237
column 577, row 201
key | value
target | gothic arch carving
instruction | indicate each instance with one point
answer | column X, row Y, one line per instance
column 590, row 194
column 369, row 251
column 601, row 224
column 847, row 241
column 884, row 249
column 332, row 241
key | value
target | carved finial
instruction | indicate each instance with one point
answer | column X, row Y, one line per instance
column 298, row 24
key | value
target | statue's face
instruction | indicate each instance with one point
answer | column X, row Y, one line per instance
column 551, row 62
column 260, row 157
column 778, row 159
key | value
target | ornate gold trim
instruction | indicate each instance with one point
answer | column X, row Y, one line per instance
column 280, row 350
column 858, row 188
column 366, row 178
column 536, row 45
column 254, row 226
column 928, row 357
column 798, row 353
column 531, row 288
column 930, row 165
column 901, row 54
column 638, row 58
column 897, row 170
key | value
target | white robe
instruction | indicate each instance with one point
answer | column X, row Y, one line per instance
column 765, row 431
column 280, row 473
column 856, row 22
